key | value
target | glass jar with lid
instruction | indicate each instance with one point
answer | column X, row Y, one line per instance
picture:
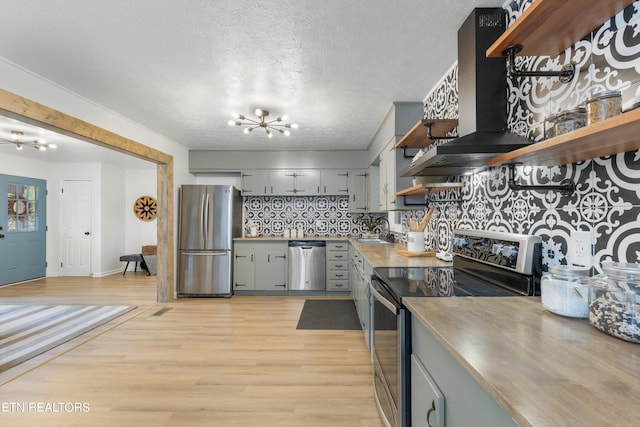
column 570, row 120
column 614, row 300
column 565, row 290
column 603, row 105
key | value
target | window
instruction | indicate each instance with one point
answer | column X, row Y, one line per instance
column 21, row 209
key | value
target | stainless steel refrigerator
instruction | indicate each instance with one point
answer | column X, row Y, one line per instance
column 210, row 217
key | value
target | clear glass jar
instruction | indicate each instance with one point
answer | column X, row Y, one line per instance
column 565, row 291
column 570, row 120
column 604, row 105
column 614, row 300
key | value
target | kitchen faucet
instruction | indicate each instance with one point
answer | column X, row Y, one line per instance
column 388, row 236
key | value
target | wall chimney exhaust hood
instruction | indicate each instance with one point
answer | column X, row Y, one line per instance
column 482, row 104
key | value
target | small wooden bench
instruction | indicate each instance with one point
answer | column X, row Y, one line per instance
column 137, row 258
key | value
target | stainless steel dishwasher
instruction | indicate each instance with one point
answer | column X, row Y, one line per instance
column 307, row 260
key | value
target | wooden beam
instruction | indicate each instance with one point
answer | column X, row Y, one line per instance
column 26, row 110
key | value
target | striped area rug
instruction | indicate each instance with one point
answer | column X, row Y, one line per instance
column 29, row 330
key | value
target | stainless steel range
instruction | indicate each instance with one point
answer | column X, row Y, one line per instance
column 485, row 264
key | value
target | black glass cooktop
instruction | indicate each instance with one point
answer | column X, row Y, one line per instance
column 436, row 282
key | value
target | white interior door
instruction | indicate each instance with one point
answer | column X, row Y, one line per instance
column 75, row 227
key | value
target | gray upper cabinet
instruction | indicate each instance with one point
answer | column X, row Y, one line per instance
column 399, row 120
column 354, row 183
column 358, row 191
column 334, row 182
column 255, row 183
column 295, row 182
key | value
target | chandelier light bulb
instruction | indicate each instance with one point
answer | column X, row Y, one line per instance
column 53, row 146
column 231, row 122
column 294, row 126
column 18, row 146
column 287, row 132
column 41, row 148
column 269, row 134
column 258, row 112
column 247, row 131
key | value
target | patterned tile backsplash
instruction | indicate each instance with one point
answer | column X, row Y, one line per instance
column 606, row 201
column 321, row 216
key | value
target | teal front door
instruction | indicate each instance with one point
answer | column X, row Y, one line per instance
column 23, row 226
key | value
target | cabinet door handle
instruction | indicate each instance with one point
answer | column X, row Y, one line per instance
column 251, row 257
column 268, row 257
column 430, row 411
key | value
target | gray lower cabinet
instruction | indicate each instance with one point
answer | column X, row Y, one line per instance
column 244, row 274
column 260, row 266
column 427, row 401
column 443, row 384
column 360, row 272
column 337, row 266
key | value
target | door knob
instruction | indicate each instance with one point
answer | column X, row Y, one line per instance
column 86, row 233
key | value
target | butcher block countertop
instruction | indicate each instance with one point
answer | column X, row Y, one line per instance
column 542, row 369
column 284, row 239
column 387, row 256
column 377, row 255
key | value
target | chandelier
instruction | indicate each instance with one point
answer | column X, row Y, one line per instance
column 16, row 138
column 275, row 125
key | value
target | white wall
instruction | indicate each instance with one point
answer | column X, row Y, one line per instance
column 112, row 225
column 139, row 182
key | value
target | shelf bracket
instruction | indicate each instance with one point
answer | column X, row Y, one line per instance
column 565, row 75
column 429, row 199
column 430, row 135
column 405, row 155
column 566, row 187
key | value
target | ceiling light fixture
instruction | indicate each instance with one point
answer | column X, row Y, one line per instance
column 276, row 125
column 16, row 138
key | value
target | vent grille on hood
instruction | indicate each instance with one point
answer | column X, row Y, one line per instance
column 482, row 103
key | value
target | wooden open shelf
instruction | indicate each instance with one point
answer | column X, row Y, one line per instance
column 417, row 136
column 548, row 27
column 615, row 135
column 425, row 189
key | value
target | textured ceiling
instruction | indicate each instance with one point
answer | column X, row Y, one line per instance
column 181, row 67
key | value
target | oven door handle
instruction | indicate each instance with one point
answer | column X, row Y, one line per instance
column 391, row 307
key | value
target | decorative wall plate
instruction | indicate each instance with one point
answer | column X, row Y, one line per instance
column 145, row 208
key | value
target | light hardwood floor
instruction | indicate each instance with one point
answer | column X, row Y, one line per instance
column 193, row 362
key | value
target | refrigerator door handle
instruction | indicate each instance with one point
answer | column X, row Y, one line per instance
column 202, row 218
column 206, row 218
column 206, row 253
